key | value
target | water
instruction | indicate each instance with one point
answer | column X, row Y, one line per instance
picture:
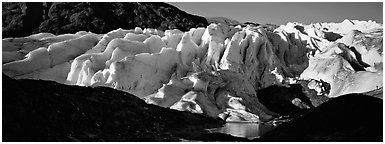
column 247, row 130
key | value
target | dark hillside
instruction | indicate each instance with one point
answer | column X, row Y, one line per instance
column 23, row 19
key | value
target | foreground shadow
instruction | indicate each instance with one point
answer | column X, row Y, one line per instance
column 352, row 117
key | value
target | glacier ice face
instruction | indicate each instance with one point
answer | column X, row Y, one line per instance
column 155, row 43
column 339, row 73
column 13, row 55
column 135, row 37
column 188, row 49
column 144, row 73
column 214, row 70
column 56, row 53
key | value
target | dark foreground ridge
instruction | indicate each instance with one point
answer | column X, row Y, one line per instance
column 352, row 117
column 280, row 99
column 36, row 110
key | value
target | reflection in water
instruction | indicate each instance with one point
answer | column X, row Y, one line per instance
column 247, row 130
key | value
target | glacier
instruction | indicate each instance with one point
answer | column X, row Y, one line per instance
column 214, row 71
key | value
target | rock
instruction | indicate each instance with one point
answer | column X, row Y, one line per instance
column 331, row 36
column 49, row 111
column 285, row 101
column 62, row 18
column 341, row 119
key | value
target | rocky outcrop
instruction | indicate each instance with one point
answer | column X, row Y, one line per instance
column 60, row 18
column 352, row 117
column 285, row 101
column 35, row 110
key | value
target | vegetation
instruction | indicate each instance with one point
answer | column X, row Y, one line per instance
column 22, row 19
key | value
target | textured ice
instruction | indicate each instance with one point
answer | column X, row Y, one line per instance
column 214, row 70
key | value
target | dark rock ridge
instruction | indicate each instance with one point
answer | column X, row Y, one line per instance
column 285, row 100
column 36, row 110
column 352, row 117
column 22, row 19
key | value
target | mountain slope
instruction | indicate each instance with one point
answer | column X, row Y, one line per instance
column 22, row 19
